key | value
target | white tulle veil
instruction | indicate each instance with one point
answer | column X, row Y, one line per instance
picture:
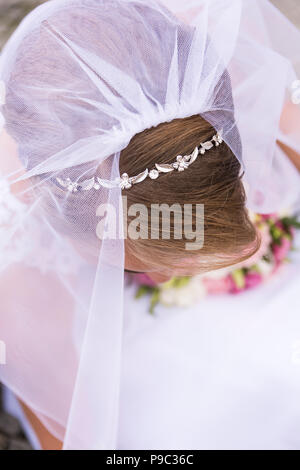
column 79, row 79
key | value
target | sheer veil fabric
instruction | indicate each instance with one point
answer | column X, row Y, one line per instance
column 81, row 78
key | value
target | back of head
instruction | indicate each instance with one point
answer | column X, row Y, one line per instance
column 92, row 78
column 214, row 181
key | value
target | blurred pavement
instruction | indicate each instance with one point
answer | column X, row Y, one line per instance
column 12, row 11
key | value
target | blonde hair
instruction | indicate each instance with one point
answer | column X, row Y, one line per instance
column 214, row 181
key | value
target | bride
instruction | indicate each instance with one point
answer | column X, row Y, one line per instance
column 109, row 108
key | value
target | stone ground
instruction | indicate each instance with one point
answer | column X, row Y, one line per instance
column 11, row 13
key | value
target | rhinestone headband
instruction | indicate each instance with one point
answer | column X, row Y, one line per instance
column 126, row 182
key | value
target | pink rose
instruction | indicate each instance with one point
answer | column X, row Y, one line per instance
column 279, row 225
column 253, row 279
column 234, row 288
column 281, row 251
column 269, row 216
column 143, row 279
column 217, row 286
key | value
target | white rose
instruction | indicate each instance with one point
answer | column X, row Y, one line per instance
column 265, row 268
column 184, row 296
column 168, row 296
column 284, row 213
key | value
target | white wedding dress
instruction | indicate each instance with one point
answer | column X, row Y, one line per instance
column 223, row 374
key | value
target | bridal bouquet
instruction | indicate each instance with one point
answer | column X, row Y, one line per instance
column 278, row 232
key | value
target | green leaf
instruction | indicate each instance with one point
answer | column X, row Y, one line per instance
column 239, row 278
column 276, row 233
column 169, row 284
column 255, row 268
column 291, row 222
column 267, row 258
column 154, row 300
column 176, row 282
column 143, row 290
column 181, row 281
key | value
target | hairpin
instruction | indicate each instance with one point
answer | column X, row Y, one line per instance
column 126, row 182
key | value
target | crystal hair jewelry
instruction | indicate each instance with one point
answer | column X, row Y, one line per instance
column 126, row 182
